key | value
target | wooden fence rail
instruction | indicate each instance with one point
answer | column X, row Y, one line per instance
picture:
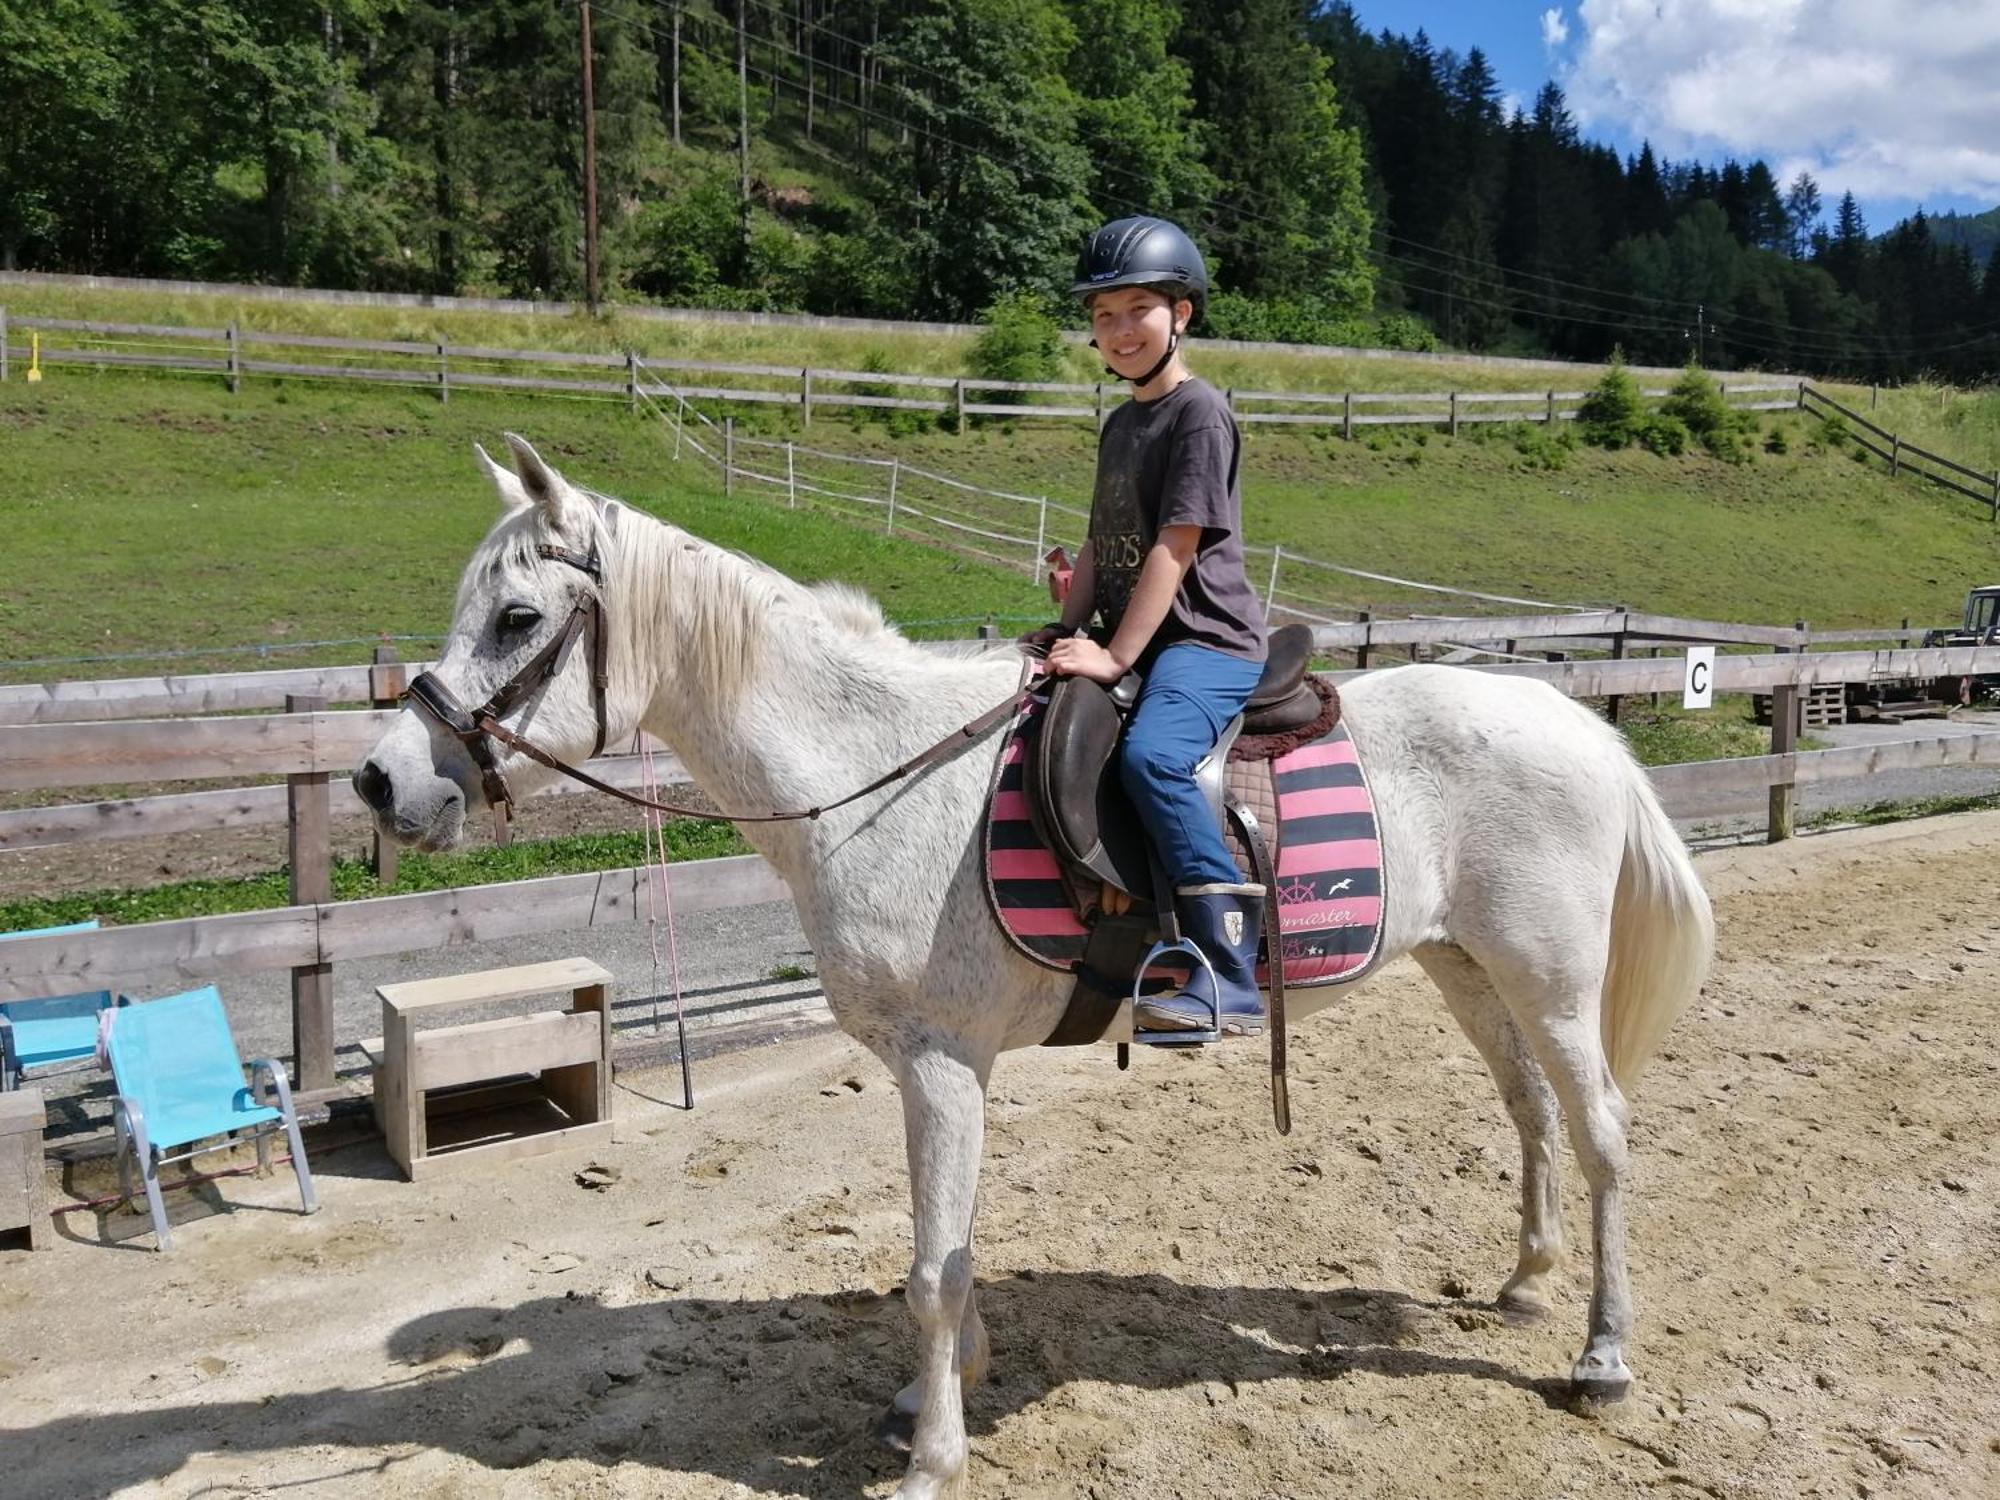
column 307, row 938
column 1901, row 454
column 442, row 366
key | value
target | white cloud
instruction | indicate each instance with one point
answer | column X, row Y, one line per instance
column 1887, row 100
column 1555, row 30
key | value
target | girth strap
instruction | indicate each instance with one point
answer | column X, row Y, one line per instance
column 1112, row 951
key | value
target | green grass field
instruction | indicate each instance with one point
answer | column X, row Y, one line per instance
column 149, row 513
column 160, row 513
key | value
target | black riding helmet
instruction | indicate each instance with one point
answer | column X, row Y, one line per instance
column 1148, row 252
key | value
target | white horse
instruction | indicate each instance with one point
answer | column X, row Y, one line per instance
column 1529, row 869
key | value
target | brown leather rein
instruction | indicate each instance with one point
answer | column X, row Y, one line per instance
column 477, row 729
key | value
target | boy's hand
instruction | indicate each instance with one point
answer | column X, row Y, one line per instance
column 1080, row 656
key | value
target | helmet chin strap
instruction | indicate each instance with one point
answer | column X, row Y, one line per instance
column 1173, row 346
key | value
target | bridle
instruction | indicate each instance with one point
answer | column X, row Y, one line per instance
column 480, row 727
column 477, row 729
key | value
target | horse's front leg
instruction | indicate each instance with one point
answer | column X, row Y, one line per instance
column 899, row 1423
column 944, row 1117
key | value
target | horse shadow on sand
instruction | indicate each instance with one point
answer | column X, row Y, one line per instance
column 778, row 1394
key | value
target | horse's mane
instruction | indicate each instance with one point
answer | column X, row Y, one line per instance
column 722, row 605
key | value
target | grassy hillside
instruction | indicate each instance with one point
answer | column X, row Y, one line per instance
column 151, row 512
column 144, row 514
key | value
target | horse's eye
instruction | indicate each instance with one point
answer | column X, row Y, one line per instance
column 517, row 618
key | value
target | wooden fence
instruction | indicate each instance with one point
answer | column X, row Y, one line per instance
column 1901, row 455
column 307, row 746
column 235, row 354
column 35, row 754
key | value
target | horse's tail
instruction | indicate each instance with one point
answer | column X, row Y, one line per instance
column 1662, row 935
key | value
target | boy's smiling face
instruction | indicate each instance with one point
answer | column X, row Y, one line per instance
column 1133, row 326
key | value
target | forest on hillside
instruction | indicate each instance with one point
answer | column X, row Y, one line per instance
column 921, row 158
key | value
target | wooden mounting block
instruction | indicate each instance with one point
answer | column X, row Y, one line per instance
column 521, row 1085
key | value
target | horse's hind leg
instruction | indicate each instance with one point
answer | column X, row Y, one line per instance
column 1480, row 1013
column 1554, row 999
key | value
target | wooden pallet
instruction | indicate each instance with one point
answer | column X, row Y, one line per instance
column 1820, row 707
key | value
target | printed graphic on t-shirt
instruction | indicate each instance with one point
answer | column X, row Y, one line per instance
column 1117, row 542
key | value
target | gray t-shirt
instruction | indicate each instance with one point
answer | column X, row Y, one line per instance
column 1173, row 462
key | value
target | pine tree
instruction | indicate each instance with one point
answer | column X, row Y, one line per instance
column 1292, row 217
column 1801, row 215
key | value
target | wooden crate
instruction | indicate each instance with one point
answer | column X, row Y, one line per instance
column 485, row 1091
column 24, row 1201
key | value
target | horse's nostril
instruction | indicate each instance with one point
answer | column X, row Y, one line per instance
column 371, row 784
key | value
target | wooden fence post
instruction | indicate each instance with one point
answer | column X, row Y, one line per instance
column 1802, row 395
column 3, row 353
column 1874, row 396
column 1454, row 413
column 386, row 681
column 444, row 375
column 632, row 379
column 1271, row 587
column 728, row 456
column 1364, row 618
column 895, row 471
column 1614, row 703
column 805, row 398
column 1041, row 536
column 958, row 403
column 1895, row 456
column 1996, row 473
column 791, row 479
column 1550, row 419
column 1100, row 384
column 235, row 358
column 310, row 841
column 1784, row 741
column 1347, row 415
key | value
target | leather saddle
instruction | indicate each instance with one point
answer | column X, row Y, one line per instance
column 1078, row 803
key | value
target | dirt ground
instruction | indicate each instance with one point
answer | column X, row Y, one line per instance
column 1182, row 1304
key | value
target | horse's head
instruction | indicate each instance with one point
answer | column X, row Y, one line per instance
column 528, row 648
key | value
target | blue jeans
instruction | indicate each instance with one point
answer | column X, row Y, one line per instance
column 1191, row 693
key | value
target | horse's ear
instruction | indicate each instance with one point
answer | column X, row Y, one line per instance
column 544, row 487
column 512, row 495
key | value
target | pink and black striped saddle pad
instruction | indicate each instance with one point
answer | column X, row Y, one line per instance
column 1329, row 859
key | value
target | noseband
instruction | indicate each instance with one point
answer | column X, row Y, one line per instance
column 476, row 730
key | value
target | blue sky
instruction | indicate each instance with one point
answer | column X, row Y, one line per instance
column 1830, row 86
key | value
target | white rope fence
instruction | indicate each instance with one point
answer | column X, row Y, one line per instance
column 920, row 499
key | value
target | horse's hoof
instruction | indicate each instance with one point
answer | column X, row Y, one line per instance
column 1519, row 1310
column 897, row 1430
column 1600, row 1380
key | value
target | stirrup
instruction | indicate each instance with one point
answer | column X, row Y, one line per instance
column 1190, row 1038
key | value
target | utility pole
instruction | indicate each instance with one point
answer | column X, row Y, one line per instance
column 677, row 73
column 589, row 172
column 743, row 125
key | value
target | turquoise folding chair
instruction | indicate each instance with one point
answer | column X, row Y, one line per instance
column 48, row 1032
column 180, row 1080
